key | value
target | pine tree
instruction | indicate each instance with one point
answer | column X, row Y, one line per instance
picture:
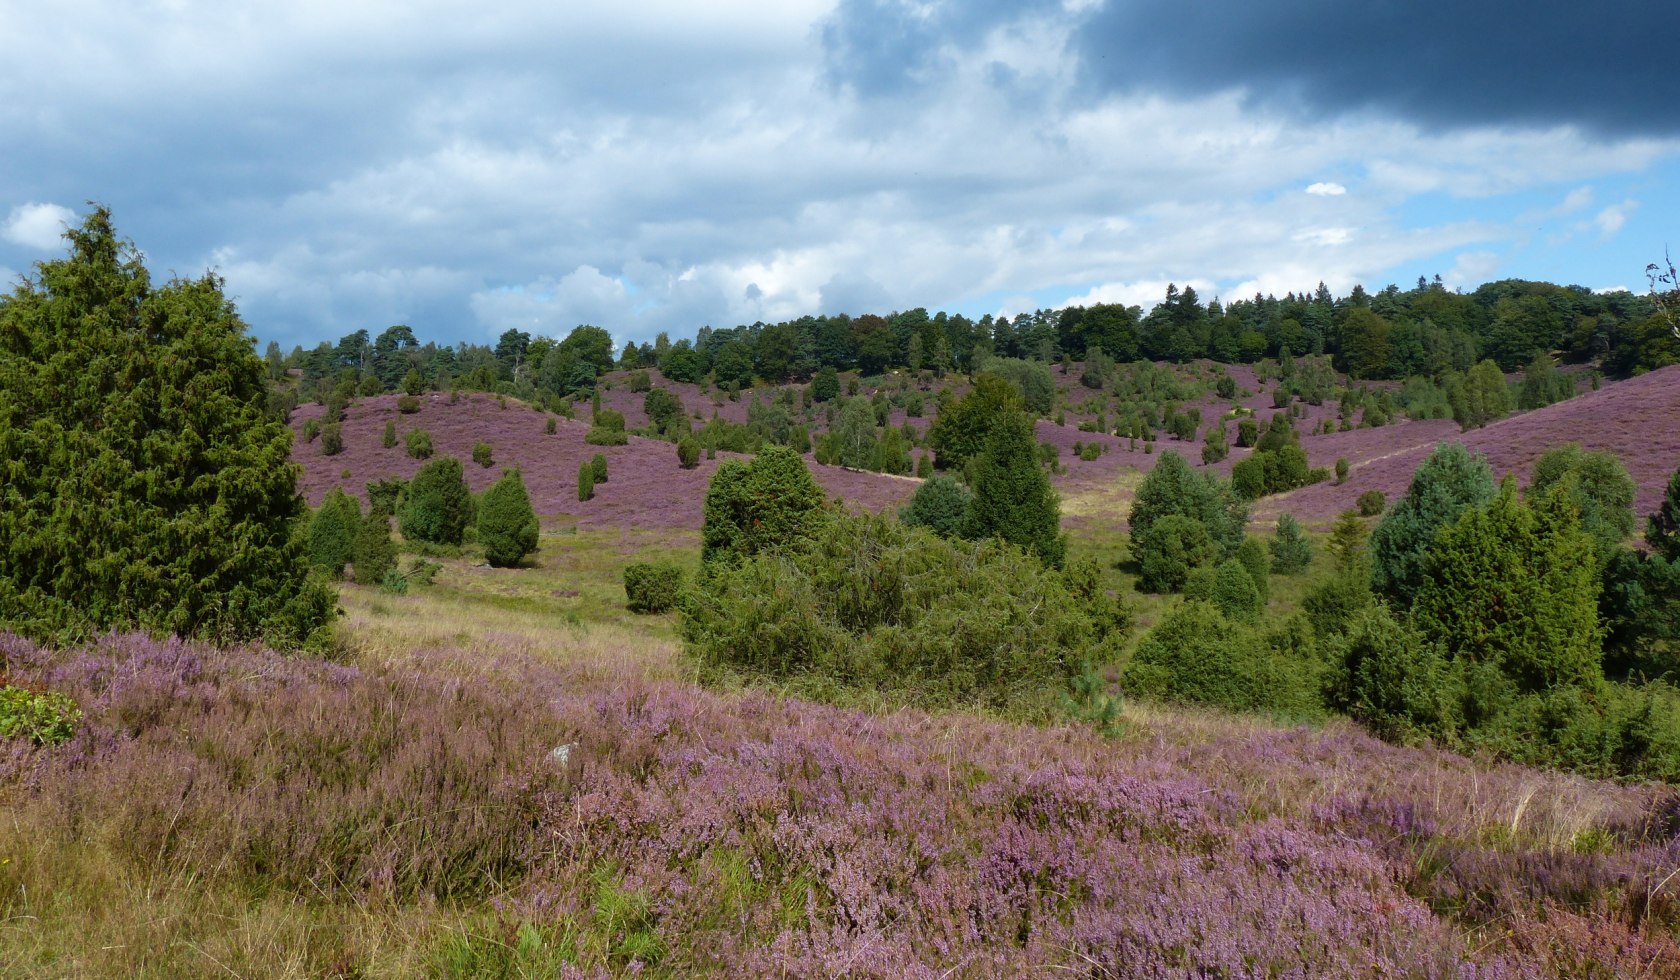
column 1291, row 552
column 146, row 485
column 507, row 525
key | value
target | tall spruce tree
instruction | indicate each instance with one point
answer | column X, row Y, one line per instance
column 143, row 482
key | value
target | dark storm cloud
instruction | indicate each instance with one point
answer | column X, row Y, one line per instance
column 1434, row 63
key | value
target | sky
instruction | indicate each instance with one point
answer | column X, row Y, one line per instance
column 645, row 166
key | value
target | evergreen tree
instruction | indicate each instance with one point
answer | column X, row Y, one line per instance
column 145, row 484
column 1172, row 487
column 1013, row 499
column 1171, row 549
column 332, row 532
column 373, row 554
column 767, row 504
column 1291, row 552
column 959, row 432
column 1448, row 482
column 1599, row 487
column 1234, row 592
column 941, row 504
column 437, row 506
column 1482, row 396
column 1662, row 529
column 507, row 526
column 1252, row 555
column 585, row 481
column 1215, row 447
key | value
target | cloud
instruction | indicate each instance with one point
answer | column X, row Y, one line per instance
column 1326, row 189
column 1611, row 219
column 38, row 226
column 1471, row 269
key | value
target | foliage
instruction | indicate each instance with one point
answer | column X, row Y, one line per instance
column 419, row 443
column 1013, row 499
column 1252, row 555
column 598, row 463
column 43, row 718
column 688, row 453
column 585, row 481
column 1481, row 397
column 868, row 603
column 826, row 385
column 767, row 504
column 383, row 495
column 1291, row 551
column 1197, row 655
column 652, row 586
column 959, row 432
column 1234, row 592
column 1031, row 379
column 1443, row 487
column 1371, row 503
column 941, row 504
column 332, row 532
column 661, row 407
column 1172, row 487
column 481, row 454
column 855, row 434
column 437, row 506
column 373, row 555
column 389, row 438
column 143, row 482
column 1215, row 447
column 1542, row 384
column 1348, row 538
column 1384, row 674
column 1599, row 488
column 408, row 404
column 332, row 439
column 1172, row 547
column 507, row 525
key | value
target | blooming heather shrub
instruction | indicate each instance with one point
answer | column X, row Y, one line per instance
column 437, row 506
column 870, row 604
column 1197, row 655
column 482, row 454
column 42, row 718
column 507, row 526
column 257, row 771
column 332, row 532
column 652, row 586
column 418, row 443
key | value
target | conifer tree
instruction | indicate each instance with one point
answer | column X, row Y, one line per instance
column 1449, row 481
column 373, row 554
column 332, row 532
column 507, row 525
column 437, row 506
column 1013, row 499
column 143, row 482
column 1291, row 552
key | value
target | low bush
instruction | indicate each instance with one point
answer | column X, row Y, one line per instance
column 652, row 586
column 1371, row 503
column 481, row 454
column 389, row 438
column 419, row 443
column 941, row 504
column 688, row 453
column 601, row 436
column 598, row 463
column 311, row 429
column 507, row 525
column 44, row 718
column 586, row 481
column 332, row 439
column 1197, row 655
column 408, row 404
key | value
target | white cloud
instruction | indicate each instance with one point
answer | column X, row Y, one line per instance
column 1611, row 219
column 1471, row 269
column 1326, row 189
column 38, row 226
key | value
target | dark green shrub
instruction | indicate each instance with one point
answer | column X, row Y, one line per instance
column 413, row 384
column 419, row 443
column 1234, row 592
column 867, row 604
column 599, row 436
column 311, row 429
column 652, row 586
column 1215, row 448
column 146, row 485
column 1384, row 674
column 332, row 532
column 408, row 404
column 1090, row 452
column 607, row 418
column 688, row 453
column 1371, row 503
column 1248, row 477
column 1341, row 469
column 1291, row 552
column 389, row 439
column 1225, row 387
column 1599, row 487
column 383, row 495
column 661, row 407
column 959, row 432
column 1172, row 487
column 770, row 503
column 1252, row 555
column 1444, row 486
column 507, row 526
column 481, row 454
column 332, row 439
column 598, row 463
column 44, row 718
column 941, row 504
column 640, row 381
column 437, row 507
column 1173, row 546
column 373, row 555
column 1199, row 656
column 586, row 481
column 826, row 385
column 549, row 425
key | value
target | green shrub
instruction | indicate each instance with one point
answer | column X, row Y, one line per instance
column 598, row 463
column 1384, row 674
column 372, row 554
column 332, row 439
column 1291, row 552
column 1341, row 469
column 769, row 503
column 1248, row 477
column 549, row 425
column 1371, row 503
column 311, row 429
column 941, row 504
column 598, row 436
column 1013, row 499
column 1199, row 656
column 1252, row 555
column 1173, row 546
column 1234, row 592
column 481, row 454
column 419, row 443
column 688, row 453
column 1173, row 488
column 652, row 586
column 45, row 718
column 332, row 532
column 389, row 439
column 408, row 404
column 867, row 604
column 437, row 506
column 1450, row 481
column 383, row 495
column 826, row 385
column 507, row 525
column 640, row 381
column 586, row 481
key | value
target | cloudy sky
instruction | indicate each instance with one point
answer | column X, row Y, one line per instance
column 663, row 165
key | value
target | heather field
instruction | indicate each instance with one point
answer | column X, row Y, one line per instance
column 403, row 812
